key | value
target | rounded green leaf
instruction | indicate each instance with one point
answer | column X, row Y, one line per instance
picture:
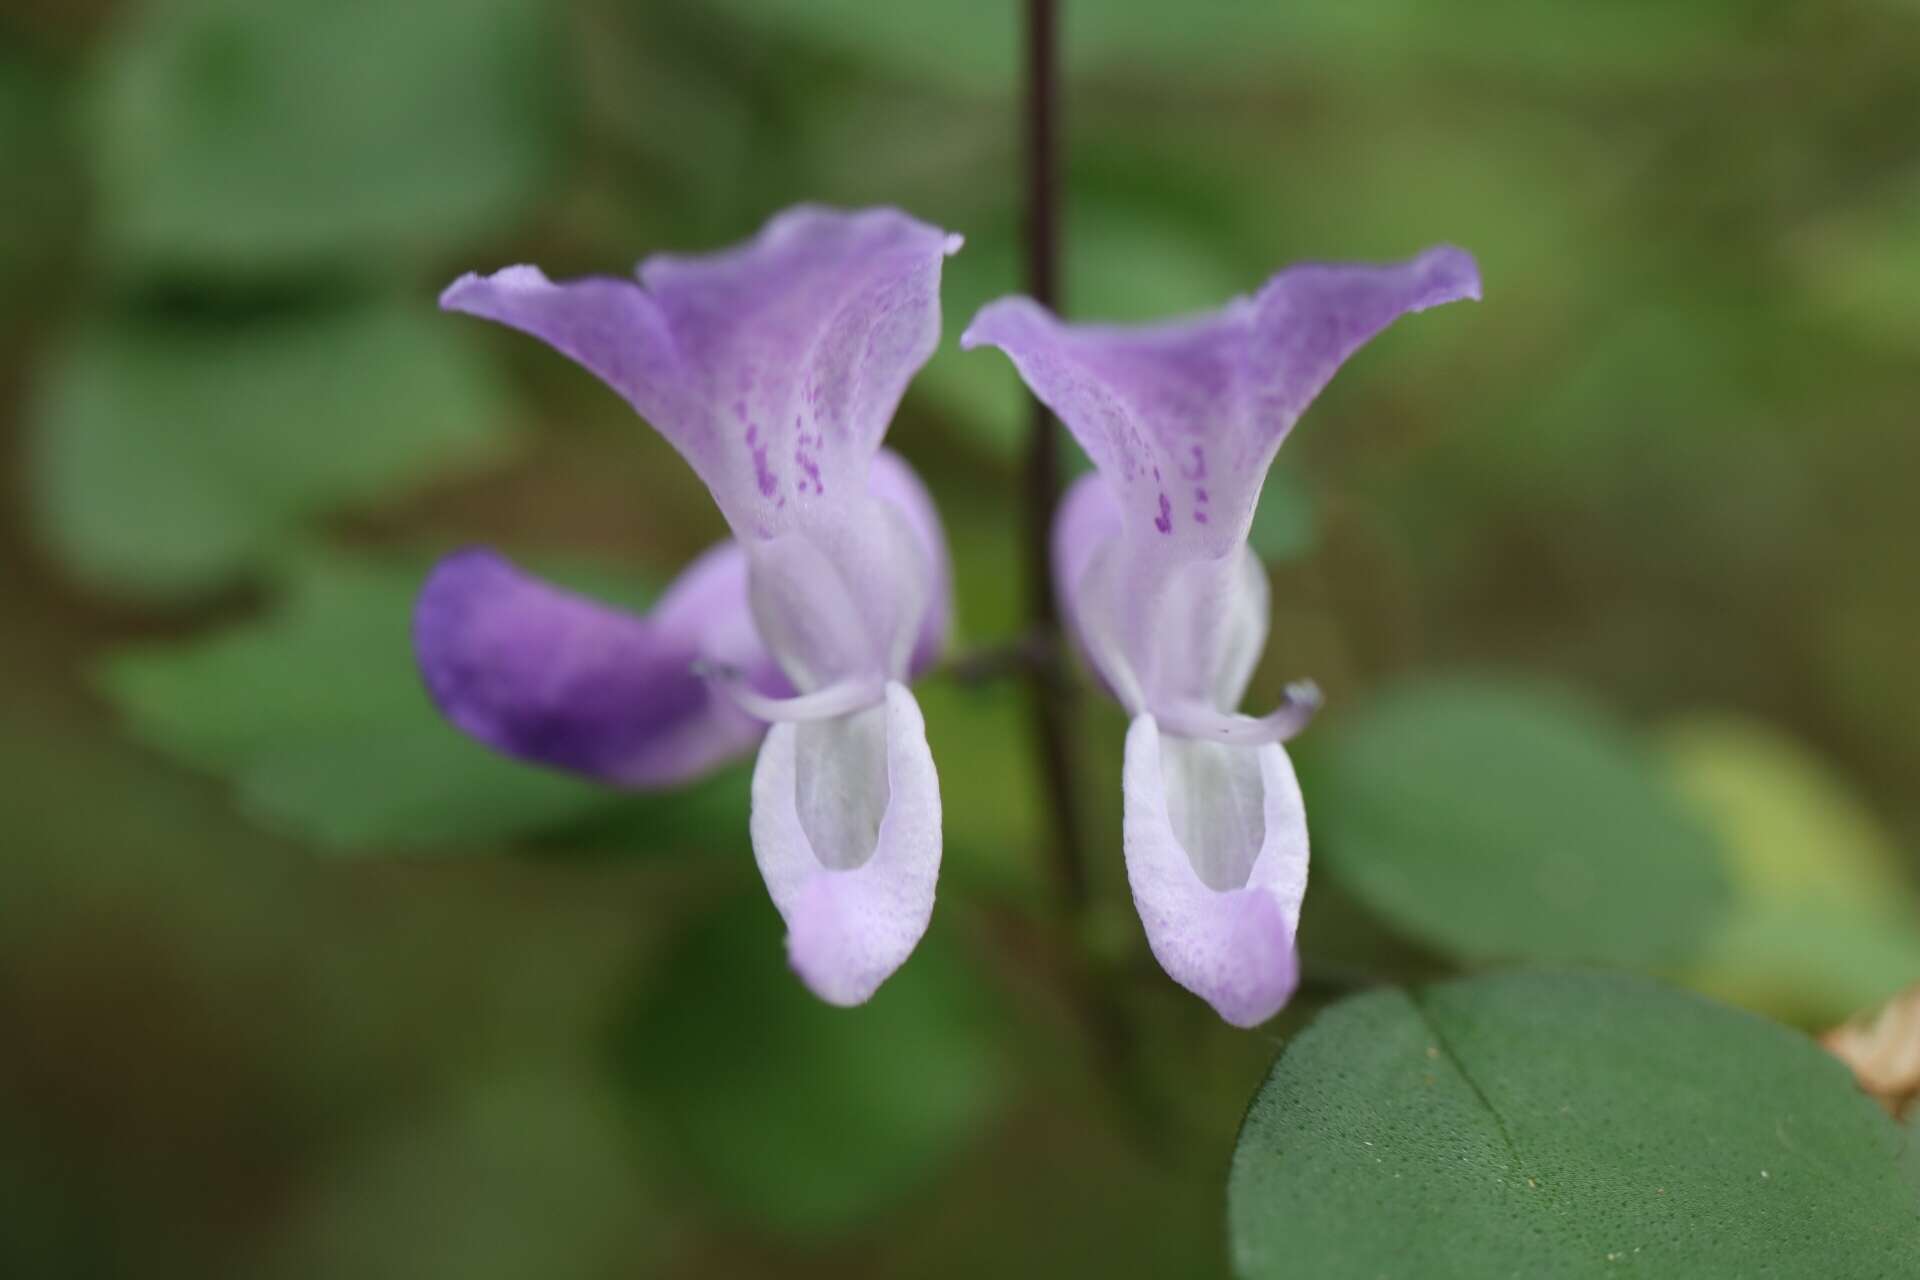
column 236, row 135
column 169, row 459
column 1564, row 1125
column 795, row 1114
column 1494, row 821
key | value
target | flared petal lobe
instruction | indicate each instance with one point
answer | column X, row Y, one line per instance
column 548, row 676
column 1183, row 418
column 846, row 830
column 1216, row 848
column 774, row 368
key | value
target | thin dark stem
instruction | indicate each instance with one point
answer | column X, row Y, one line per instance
column 1052, row 695
column 1022, row 657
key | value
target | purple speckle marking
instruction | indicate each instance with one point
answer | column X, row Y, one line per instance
column 803, row 460
column 762, row 473
column 1198, row 471
column 1164, row 521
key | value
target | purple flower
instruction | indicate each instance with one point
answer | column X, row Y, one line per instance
column 1170, row 606
column 773, row 368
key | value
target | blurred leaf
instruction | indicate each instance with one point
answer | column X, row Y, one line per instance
column 1547, row 1125
column 967, row 48
column 1498, row 821
column 1859, row 265
column 990, row 790
column 1633, row 40
column 169, row 458
column 801, row 1116
column 506, row 1178
column 1824, row 922
column 242, row 135
column 38, row 217
column 1285, row 523
column 317, row 717
column 957, row 46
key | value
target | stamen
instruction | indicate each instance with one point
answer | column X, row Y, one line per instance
column 838, row 699
column 1204, row 724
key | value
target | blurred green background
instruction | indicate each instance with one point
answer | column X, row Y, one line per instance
column 1612, row 582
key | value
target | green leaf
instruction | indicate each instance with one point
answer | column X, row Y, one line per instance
column 798, row 1115
column 242, row 135
column 1286, row 523
column 993, row 812
column 976, row 47
column 521, row 1174
column 44, row 191
column 1824, row 921
column 957, row 46
column 1857, row 265
column 168, row 459
column 1564, row 1125
column 1494, row 821
column 317, row 717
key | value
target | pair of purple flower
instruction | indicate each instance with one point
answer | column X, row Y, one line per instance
column 774, row 368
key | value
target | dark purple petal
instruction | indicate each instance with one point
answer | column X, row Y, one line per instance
column 549, row 676
column 773, row 367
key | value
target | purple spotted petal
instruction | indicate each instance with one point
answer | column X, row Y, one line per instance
column 1182, row 421
column 548, row 676
column 1183, row 418
column 774, row 367
column 846, row 829
column 1216, row 846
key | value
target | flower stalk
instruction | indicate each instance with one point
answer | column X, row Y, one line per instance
column 1052, row 692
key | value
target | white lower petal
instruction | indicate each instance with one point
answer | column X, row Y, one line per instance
column 1216, row 846
column 846, row 830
